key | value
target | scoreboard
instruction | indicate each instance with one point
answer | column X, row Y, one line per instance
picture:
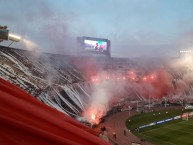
column 94, row 46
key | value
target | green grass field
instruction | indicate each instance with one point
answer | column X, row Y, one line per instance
column 176, row 132
column 180, row 133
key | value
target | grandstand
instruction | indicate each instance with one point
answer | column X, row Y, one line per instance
column 64, row 83
column 43, row 76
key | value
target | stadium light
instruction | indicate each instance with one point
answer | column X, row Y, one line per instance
column 3, row 27
column 14, row 38
column 5, row 35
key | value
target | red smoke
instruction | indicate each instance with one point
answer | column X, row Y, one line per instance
column 157, row 83
column 140, row 83
column 87, row 66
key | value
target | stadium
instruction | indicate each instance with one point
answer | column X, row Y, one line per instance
column 87, row 72
column 111, row 100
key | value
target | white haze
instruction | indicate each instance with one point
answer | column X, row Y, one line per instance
column 104, row 91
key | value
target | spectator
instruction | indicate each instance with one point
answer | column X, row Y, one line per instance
column 124, row 132
column 114, row 135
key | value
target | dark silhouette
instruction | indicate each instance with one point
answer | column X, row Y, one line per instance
column 124, row 132
column 114, row 135
column 96, row 47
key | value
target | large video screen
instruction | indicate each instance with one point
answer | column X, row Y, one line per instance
column 95, row 46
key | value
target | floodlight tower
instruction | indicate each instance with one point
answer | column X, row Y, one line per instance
column 5, row 35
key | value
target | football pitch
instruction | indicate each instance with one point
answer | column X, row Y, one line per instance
column 173, row 132
column 179, row 133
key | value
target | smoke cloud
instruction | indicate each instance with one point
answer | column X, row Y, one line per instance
column 170, row 78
